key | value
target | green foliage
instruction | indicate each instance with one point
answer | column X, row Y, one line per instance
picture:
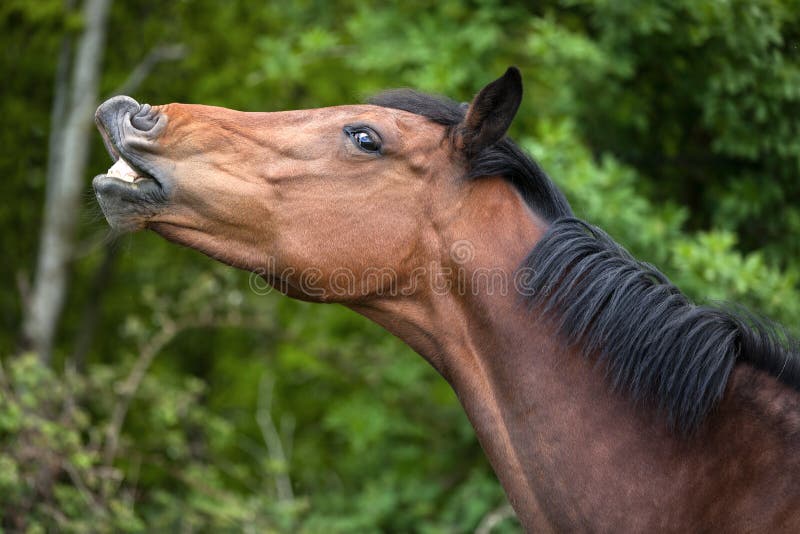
column 701, row 97
column 55, row 475
column 672, row 125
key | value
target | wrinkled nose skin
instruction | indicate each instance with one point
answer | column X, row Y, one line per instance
column 121, row 118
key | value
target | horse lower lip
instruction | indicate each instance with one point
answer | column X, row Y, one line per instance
column 121, row 203
column 126, row 205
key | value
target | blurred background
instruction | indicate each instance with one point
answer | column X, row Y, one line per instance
column 144, row 387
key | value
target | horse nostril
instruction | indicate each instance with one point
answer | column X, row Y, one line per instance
column 144, row 119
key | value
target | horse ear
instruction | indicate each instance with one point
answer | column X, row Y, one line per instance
column 490, row 113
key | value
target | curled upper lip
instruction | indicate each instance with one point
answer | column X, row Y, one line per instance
column 128, row 129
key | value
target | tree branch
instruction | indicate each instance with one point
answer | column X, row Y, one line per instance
column 140, row 72
column 170, row 329
column 131, row 384
column 494, row 518
column 283, row 484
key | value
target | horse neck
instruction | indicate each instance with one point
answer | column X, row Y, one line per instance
column 566, row 448
column 532, row 401
column 556, row 435
column 562, row 443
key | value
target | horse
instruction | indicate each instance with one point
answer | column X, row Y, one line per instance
column 604, row 399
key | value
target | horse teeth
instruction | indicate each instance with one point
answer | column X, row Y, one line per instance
column 122, row 171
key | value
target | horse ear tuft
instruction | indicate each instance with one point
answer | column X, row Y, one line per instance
column 490, row 113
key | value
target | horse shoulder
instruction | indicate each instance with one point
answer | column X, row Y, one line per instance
column 753, row 458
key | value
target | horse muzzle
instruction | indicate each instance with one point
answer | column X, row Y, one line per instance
column 133, row 189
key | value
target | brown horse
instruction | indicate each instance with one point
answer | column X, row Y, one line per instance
column 604, row 399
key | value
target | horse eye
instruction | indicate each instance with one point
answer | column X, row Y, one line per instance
column 365, row 140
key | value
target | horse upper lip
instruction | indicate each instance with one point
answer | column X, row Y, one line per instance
column 111, row 118
column 110, row 148
column 123, row 168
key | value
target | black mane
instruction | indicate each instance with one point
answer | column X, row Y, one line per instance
column 654, row 342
